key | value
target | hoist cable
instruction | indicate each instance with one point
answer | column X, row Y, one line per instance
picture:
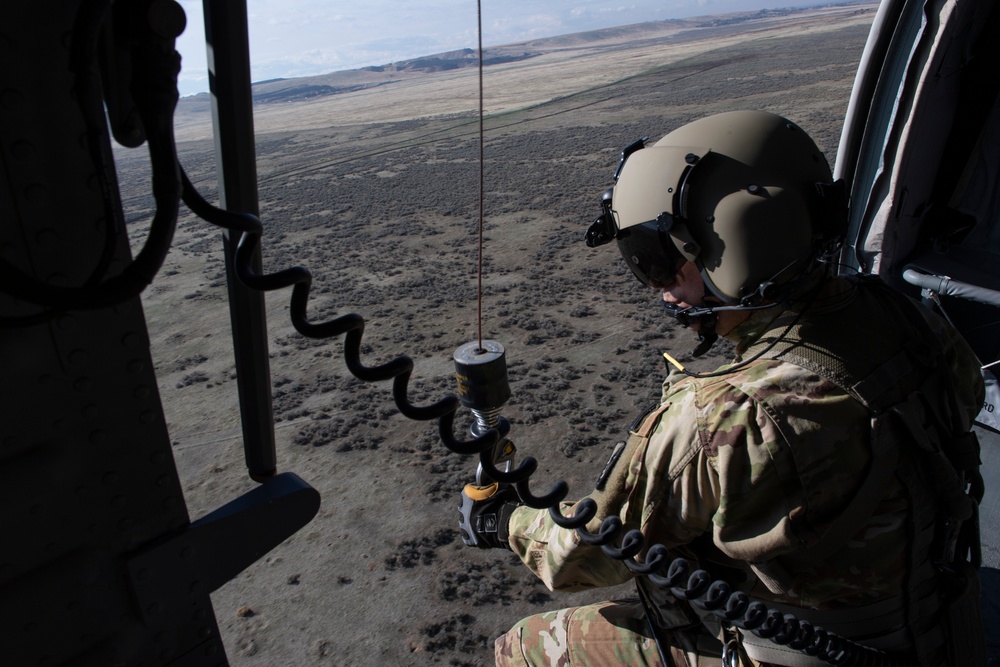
column 482, row 169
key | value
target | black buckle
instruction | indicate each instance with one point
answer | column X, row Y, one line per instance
column 636, row 145
column 603, row 230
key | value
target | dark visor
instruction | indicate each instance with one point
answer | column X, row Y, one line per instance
column 650, row 252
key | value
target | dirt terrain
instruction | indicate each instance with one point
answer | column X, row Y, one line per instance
column 376, row 191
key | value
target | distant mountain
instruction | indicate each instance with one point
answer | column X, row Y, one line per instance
column 288, row 90
column 309, row 87
column 303, row 88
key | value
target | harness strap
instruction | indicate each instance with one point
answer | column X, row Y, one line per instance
column 649, row 422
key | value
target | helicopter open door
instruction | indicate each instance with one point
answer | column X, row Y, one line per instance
column 100, row 562
column 920, row 152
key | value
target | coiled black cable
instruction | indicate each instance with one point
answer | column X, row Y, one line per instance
column 398, row 370
column 697, row 586
column 351, row 325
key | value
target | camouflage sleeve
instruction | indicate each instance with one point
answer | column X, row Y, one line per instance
column 557, row 555
column 671, row 469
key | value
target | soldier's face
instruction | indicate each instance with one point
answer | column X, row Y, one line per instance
column 686, row 289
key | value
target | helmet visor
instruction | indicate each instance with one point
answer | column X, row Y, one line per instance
column 650, row 252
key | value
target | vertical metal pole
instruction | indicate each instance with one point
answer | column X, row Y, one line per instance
column 235, row 156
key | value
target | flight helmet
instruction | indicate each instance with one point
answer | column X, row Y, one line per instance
column 746, row 195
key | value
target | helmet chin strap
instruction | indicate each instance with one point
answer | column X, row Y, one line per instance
column 706, row 319
column 768, row 295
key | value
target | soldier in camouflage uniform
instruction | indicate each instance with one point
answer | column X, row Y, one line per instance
column 776, row 472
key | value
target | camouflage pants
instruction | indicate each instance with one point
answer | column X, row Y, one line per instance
column 597, row 635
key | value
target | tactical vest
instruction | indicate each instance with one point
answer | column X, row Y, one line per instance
column 902, row 379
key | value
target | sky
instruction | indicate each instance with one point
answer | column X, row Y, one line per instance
column 292, row 38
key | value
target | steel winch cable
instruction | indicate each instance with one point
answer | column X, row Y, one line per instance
column 482, row 174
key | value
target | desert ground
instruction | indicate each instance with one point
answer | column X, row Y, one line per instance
column 375, row 190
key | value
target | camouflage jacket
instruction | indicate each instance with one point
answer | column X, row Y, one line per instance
column 751, row 466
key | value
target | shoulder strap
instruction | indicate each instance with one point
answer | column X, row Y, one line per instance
column 878, row 371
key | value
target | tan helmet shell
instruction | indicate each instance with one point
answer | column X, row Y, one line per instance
column 741, row 188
